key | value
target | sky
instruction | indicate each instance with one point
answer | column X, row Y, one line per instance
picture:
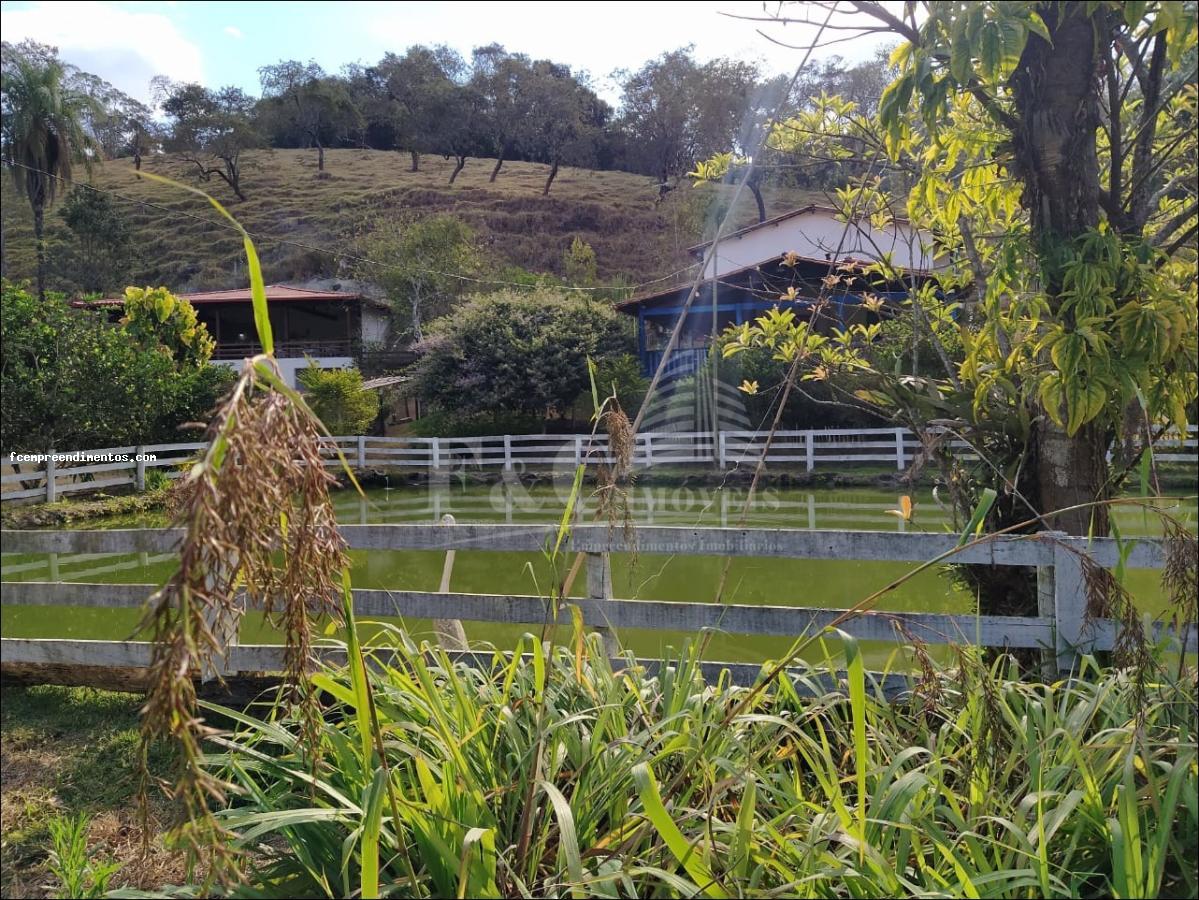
column 220, row 43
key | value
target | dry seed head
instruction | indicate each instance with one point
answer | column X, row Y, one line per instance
column 259, row 531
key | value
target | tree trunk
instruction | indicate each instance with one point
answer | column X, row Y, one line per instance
column 1071, row 472
column 757, row 192
column 415, row 161
column 39, row 235
column 418, row 334
column 498, row 164
column 550, row 180
column 461, row 164
column 1056, row 93
column 232, row 176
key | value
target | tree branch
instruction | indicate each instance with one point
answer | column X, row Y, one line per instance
column 1167, row 231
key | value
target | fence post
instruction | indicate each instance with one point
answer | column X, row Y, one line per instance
column 139, row 468
column 507, row 453
column 809, row 439
column 51, row 474
column 1046, row 591
column 599, row 587
column 649, row 450
column 450, row 633
column 900, row 459
column 723, row 445
column 436, row 445
column 578, row 450
column 361, row 452
column 1069, row 606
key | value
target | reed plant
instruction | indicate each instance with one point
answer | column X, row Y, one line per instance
column 824, row 786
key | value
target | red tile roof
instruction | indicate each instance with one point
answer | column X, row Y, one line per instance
column 275, row 293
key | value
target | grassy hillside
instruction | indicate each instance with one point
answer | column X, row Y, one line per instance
column 615, row 212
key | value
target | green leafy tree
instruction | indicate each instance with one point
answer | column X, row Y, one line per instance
column 517, row 353
column 1051, row 149
column 676, row 111
column 99, row 255
column 158, row 320
column 43, row 134
column 502, row 81
column 579, row 263
column 406, row 93
column 565, row 118
column 429, row 265
column 339, row 399
column 70, row 380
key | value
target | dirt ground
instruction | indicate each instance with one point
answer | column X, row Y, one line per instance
column 66, row 751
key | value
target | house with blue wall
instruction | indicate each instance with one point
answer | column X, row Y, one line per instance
column 810, row 259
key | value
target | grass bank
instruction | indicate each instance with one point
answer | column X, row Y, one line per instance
column 64, row 513
column 181, row 245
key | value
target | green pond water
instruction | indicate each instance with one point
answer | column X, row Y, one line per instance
column 824, row 583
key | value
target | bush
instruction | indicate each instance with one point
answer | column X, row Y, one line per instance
column 523, row 353
column 338, row 398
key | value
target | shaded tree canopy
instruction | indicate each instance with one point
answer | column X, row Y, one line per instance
column 307, row 107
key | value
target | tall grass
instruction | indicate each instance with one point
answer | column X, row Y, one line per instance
column 1001, row 789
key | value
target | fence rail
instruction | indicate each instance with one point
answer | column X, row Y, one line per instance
column 812, row 448
column 1061, row 629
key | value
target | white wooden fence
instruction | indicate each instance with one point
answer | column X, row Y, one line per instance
column 1061, row 629
column 811, row 449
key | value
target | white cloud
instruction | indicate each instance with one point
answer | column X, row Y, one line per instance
column 234, row 32
column 125, row 48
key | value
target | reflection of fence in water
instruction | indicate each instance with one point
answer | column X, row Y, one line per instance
column 888, row 448
column 647, row 506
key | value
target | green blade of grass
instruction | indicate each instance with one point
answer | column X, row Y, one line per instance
column 688, row 858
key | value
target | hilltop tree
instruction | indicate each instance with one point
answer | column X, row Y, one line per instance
column 411, row 92
column 43, row 135
column 565, row 120
column 210, row 129
column 502, row 82
column 316, row 107
column 429, row 263
column 456, row 109
column 677, row 112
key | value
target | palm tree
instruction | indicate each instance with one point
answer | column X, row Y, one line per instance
column 44, row 135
